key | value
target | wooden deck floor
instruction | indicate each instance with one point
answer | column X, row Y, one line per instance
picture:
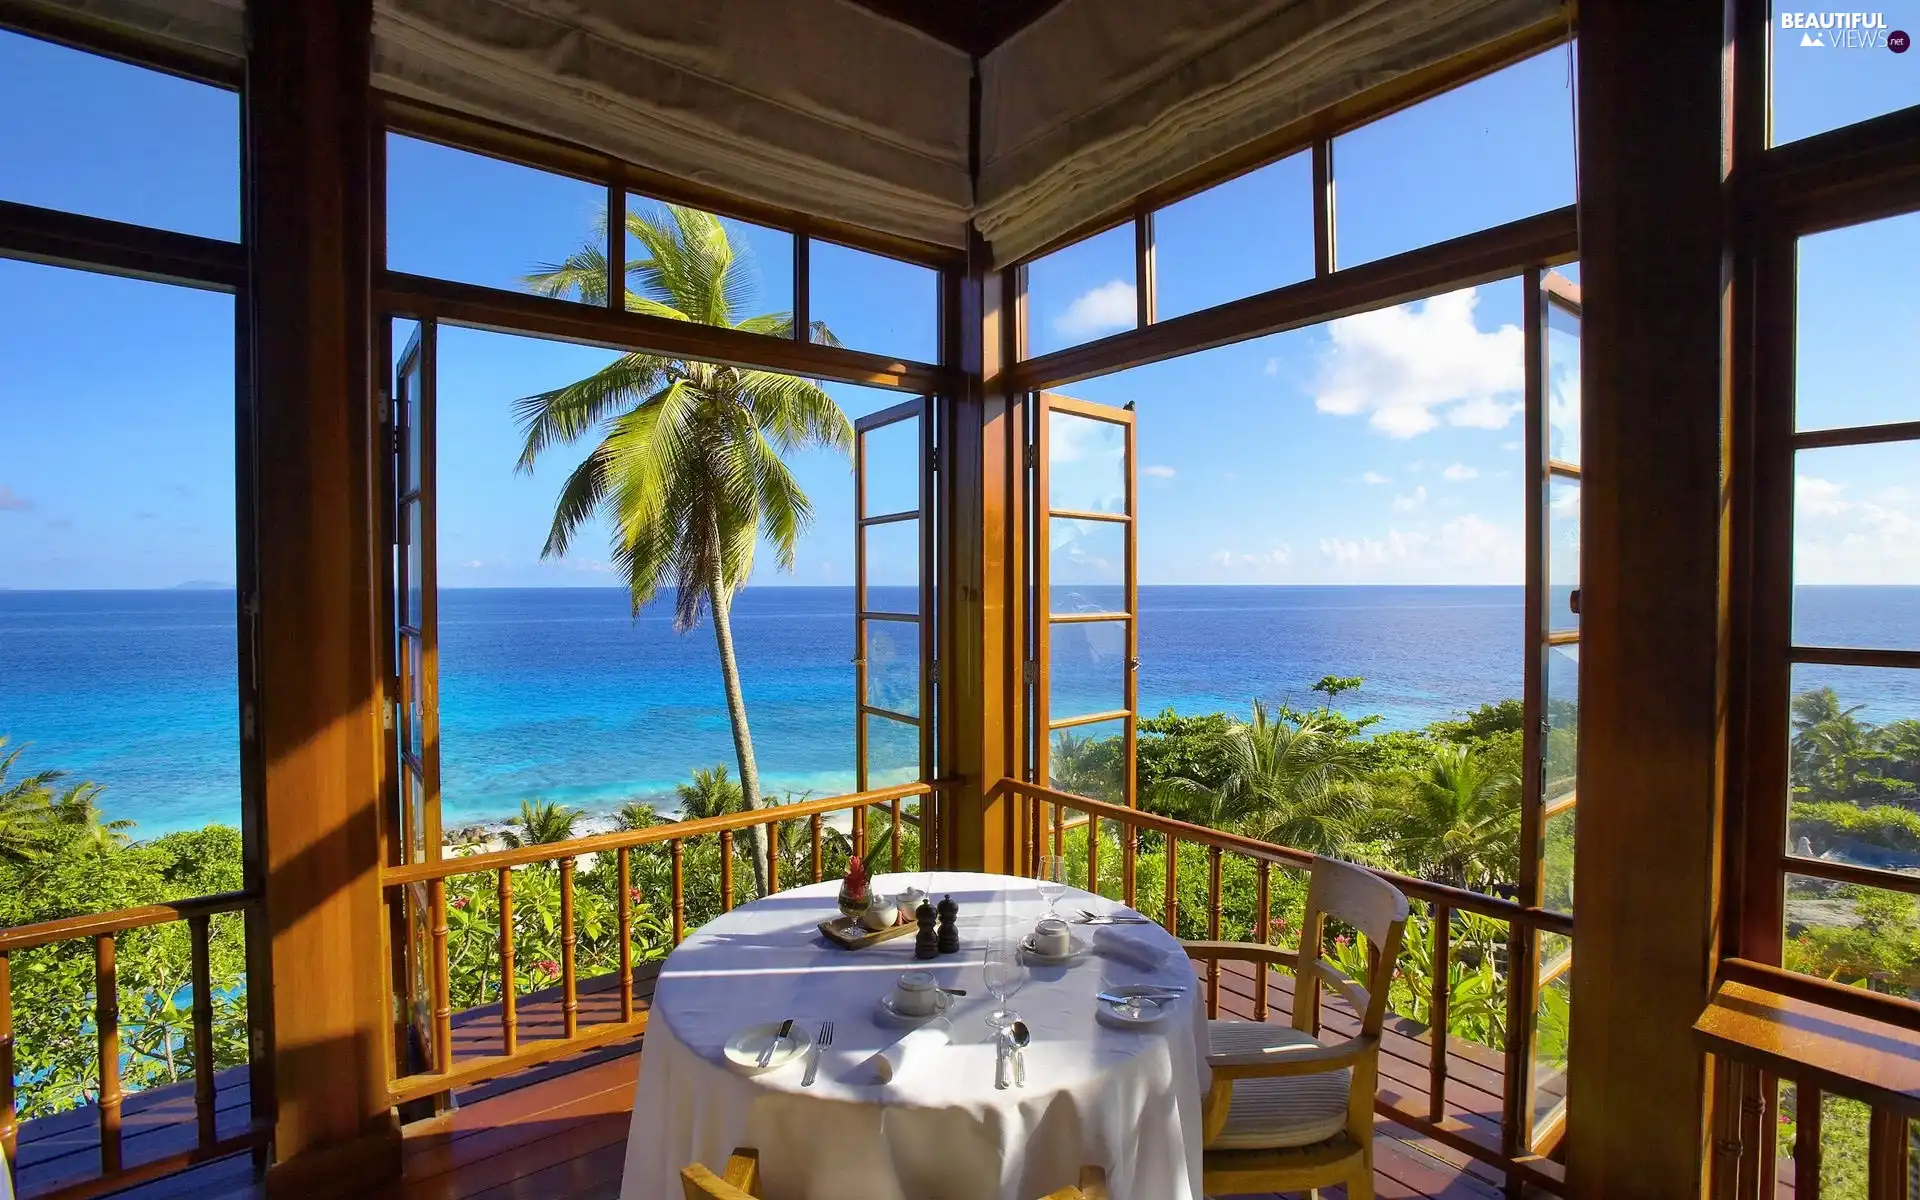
column 560, row 1130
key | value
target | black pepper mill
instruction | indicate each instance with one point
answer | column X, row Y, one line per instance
column 925, row 945
column 949, row 932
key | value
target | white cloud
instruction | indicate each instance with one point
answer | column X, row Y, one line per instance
column 1275, row 558
column 1511, row 445
column 1271, row 369
column 1375, row 477
column 1460, row 473
column 1158, row 472
column 1841, row 538
column 1408, row 366
column 1104, row 309
column 1466, row 549
column 1411, row 500
column 475, row 565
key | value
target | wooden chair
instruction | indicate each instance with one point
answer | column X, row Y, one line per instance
column 742, row 1181
column 1288, row 1111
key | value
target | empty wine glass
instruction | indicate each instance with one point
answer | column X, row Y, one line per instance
column 1052, row 879
column 1005, row 972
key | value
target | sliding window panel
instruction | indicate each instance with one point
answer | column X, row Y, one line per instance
column 1853, row 303
column 1563, row 555
column 1853, row 762
column 1856, row 546
column 416, row 562
column 1086, row 596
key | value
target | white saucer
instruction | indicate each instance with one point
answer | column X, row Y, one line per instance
column 744, row 1048
column 1077, row 949
column 1150, row 1015
column 890, row 1015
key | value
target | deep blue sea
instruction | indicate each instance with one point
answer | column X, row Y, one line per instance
column 562, row 693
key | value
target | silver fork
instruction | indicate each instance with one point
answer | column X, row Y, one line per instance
column 820, row 1043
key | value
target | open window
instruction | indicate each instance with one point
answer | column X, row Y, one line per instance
column 893, row 612
column 1552, row 728
column 1086, row 631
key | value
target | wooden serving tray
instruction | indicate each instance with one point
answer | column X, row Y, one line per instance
column 849, row 934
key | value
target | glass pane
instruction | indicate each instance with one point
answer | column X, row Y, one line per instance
column 1082, row 292
column 1563, row 385
column 1563, row 552
column 893, row 458
column 1087, row 460
column 1856, row 546
column 1087, row 565
column 1241, row 237
column 416, row 697
column 893, row 666
column 472, row 219
column 1090, row 760
column 893, row 752
column 1557, row 862
column 1832, row 69
column 1861, row 936
column 1088, row 670
column 1854, row 293
column 415, row 580
column 1552, row 1024
column 871, row 302
column 1563, row 719
column 755, row 262
column 102, row 138
column 1514, row 126
column 1854, row 766
column 893, row 566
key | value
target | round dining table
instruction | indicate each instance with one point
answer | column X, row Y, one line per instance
column 1126, row 1099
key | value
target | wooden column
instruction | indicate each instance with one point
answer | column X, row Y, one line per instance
column 1654, row 376
column 979, row 653
column 310, row 212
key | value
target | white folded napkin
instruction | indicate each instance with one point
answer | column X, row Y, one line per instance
column 891, row 1061
column 1110, row 942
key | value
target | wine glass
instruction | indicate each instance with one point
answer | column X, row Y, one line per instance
column 1005, row 972
column 1052, row 879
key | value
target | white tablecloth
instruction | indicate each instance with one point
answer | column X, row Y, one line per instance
column 1125, row 1100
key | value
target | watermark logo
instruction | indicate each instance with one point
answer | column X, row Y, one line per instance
column 1845, row 31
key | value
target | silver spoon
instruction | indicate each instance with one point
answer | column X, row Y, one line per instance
column 1019, row 1036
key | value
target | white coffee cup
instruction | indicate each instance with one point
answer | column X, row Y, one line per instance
column 1050, row 937
column 915, row 994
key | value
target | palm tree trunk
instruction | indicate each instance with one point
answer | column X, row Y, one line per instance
column 737, row 714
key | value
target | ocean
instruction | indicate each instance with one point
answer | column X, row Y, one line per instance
column 561, row 693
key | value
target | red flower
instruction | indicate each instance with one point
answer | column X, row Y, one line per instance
column 459, row 901
column 1343, row 940
column 547, row 966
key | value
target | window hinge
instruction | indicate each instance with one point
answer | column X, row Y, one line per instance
column 933, row 459
column 934, row 671
column 1033, row 456
column 387, row 714
column 1029, row 673
column 246, row 722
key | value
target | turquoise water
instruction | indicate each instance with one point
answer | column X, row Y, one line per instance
column 561, row 693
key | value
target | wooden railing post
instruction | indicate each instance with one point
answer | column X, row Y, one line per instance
column 442, row 998
column 9, row 1124
column 569, row 995
column 1093, row 854
column 1523, row 985
column 676, row 856
column 203, row 1091
column 509, row 998
column 1887, row 1156
column 893, row 835
column 106, row 1016
column 859, row 838
column 1172, row 909
column 625, row 909
column 1441, row 933
column 813, row 831
column 726, row 870
column 1263, row 903
column 773, row 856
column 1213, row 930
column 1129, row 852
column 1806, row 1139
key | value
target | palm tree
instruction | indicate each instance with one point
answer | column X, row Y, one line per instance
column 77, row 815
column 1835, row 754
column 540, row 823
column 710, row 794
column 688, row 467
column 1298, row 785
column 36, row 817
column 1459, row 824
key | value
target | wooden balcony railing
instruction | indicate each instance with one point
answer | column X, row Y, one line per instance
column 1523, row 1147
column 1767, row 1025
column 104, row 929
column 445, row 1073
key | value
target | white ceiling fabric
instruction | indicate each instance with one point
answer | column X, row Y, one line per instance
column 1101, row 100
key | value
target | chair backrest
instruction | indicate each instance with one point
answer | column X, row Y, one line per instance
column 699, row 1183
column 1355, row 897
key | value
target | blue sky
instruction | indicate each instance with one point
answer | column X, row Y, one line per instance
column 1383, row 448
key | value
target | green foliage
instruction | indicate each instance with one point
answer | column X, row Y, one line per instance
column 540, row 823
column 41, row 815
column 1826, row 823
column 1843, row 1142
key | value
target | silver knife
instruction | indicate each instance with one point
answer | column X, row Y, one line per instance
column 766, row 1056
column 1112, row 998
